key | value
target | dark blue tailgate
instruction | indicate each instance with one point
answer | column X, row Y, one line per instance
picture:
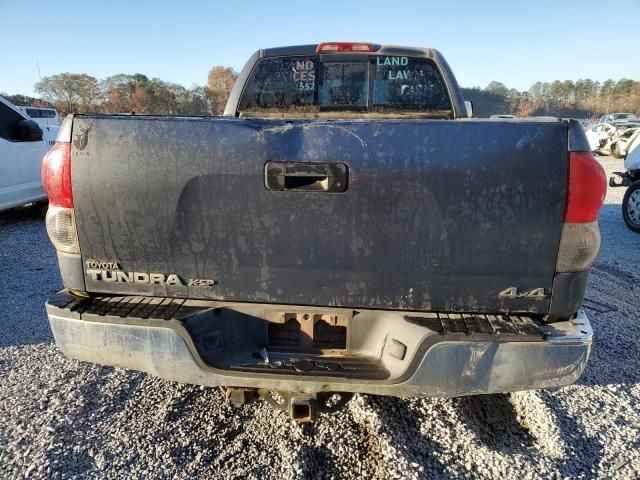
column 438, row 215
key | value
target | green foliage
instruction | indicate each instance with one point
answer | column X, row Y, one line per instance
column 497, row 88
column 121, row 93
column 485, row 103
column 137, row 93
column 70, row 92
column 26, row 101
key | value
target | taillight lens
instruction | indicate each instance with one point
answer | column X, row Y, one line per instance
column 56, row 180
column 61, row 228
column 56, row 175
column 579, row 246
column 586, row 189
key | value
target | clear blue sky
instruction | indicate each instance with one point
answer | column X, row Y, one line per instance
column 514, row 42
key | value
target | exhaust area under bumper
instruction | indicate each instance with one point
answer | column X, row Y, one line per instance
column 407, row 354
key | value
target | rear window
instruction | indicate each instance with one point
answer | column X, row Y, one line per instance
column 368, row 84
column 343, row 85
column 40, row 113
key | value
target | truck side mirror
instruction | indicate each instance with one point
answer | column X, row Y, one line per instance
column 469, row 105
column 28, row 131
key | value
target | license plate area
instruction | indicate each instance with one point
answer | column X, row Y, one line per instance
column 308, row 331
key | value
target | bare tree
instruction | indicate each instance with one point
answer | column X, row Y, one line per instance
column 219, row 83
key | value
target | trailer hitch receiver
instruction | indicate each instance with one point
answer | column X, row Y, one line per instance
column 304, row 407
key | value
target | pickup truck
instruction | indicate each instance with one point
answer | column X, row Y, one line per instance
column 344, row 227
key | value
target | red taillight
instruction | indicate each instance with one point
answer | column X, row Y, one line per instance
column 580, row 237
column 56, row 175
column 586, row 188
column 341, row 47
column 56, row 180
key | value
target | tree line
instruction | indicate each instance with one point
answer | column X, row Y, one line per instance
column 583, row 98
column 123, row 93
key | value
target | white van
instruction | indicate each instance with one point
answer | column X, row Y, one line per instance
column 23, row 143
column 47, row 118
column 42, row 116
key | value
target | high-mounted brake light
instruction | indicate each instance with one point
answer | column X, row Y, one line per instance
column 56, row 175
column 580, row 238
column 342, row 47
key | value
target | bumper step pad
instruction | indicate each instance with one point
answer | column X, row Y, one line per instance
column 343, row 367
column 125, row 306
column 523, row 327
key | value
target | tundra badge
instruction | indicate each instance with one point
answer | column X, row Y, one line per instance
column 107, row 271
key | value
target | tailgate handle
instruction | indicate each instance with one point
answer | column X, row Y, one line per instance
column 306, row 177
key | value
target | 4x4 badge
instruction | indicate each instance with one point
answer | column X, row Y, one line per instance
column 512, row 292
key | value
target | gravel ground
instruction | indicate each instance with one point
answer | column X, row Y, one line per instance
column 60, row 418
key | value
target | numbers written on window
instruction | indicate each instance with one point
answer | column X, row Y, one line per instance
column 306, row 86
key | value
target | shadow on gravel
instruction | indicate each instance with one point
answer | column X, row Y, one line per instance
column 618, row 242
column 584, row 452
column 215, row 451
column 75, row 463
column 615, row 357
column 183, row 404
column 400, row 422
column 28, row 213
column 5, row 365
column 29, row 269
column 317, row 461
column 97, row 399
column 616, row 271
column 494, row 422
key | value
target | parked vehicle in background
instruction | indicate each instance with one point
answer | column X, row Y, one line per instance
column 586, row 123
column 598, row 134
column 612, row 138
column 47, row 118
column 630, row 179
column 22, row 146
column 617, row 144
column 612, row 117
column 345, row 228
column 42, row 116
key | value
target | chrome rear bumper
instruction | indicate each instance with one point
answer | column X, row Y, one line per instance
column 420, row 359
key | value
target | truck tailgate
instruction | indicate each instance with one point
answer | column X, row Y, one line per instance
column 437, row 215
